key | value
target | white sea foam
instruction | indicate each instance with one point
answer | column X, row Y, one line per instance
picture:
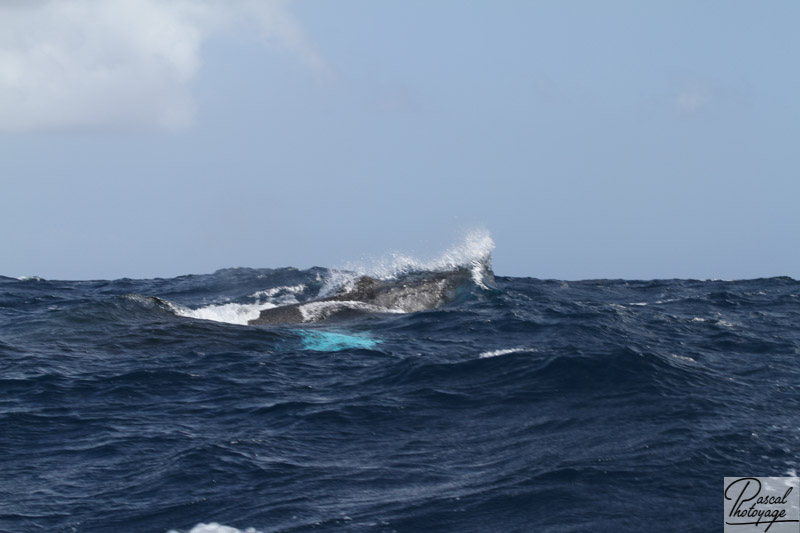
column 243, row 313
column 213, row 527
column 505, row 351
column 683, row 358
column 139, row 298
column 657, row 302
column 718, row 322
column 231, row 313
column 282, row 292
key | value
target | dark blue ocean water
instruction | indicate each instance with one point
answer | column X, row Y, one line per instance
column 532, row 405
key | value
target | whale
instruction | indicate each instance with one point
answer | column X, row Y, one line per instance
column 409, row 293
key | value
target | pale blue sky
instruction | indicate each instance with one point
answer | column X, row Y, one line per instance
column 593, row 139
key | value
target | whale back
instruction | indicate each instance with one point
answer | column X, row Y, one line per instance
column 407, row 294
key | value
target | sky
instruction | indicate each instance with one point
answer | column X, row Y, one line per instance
column 617, row 139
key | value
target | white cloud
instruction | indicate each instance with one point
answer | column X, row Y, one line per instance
column 77, row 63
column 693, row 97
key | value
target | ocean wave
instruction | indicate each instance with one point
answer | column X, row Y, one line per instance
column 485, row 413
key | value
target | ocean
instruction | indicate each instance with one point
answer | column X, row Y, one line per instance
column 510, row 404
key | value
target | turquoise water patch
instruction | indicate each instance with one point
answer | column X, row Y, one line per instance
column 328, row 341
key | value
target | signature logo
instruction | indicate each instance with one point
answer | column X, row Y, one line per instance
column 771, row 503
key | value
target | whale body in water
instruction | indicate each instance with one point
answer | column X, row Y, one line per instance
column 406, row 294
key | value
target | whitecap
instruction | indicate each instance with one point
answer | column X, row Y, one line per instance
column 282, row 292
column 230, row 313
column 214, row 527
column 504, row 351
column 242, row 313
